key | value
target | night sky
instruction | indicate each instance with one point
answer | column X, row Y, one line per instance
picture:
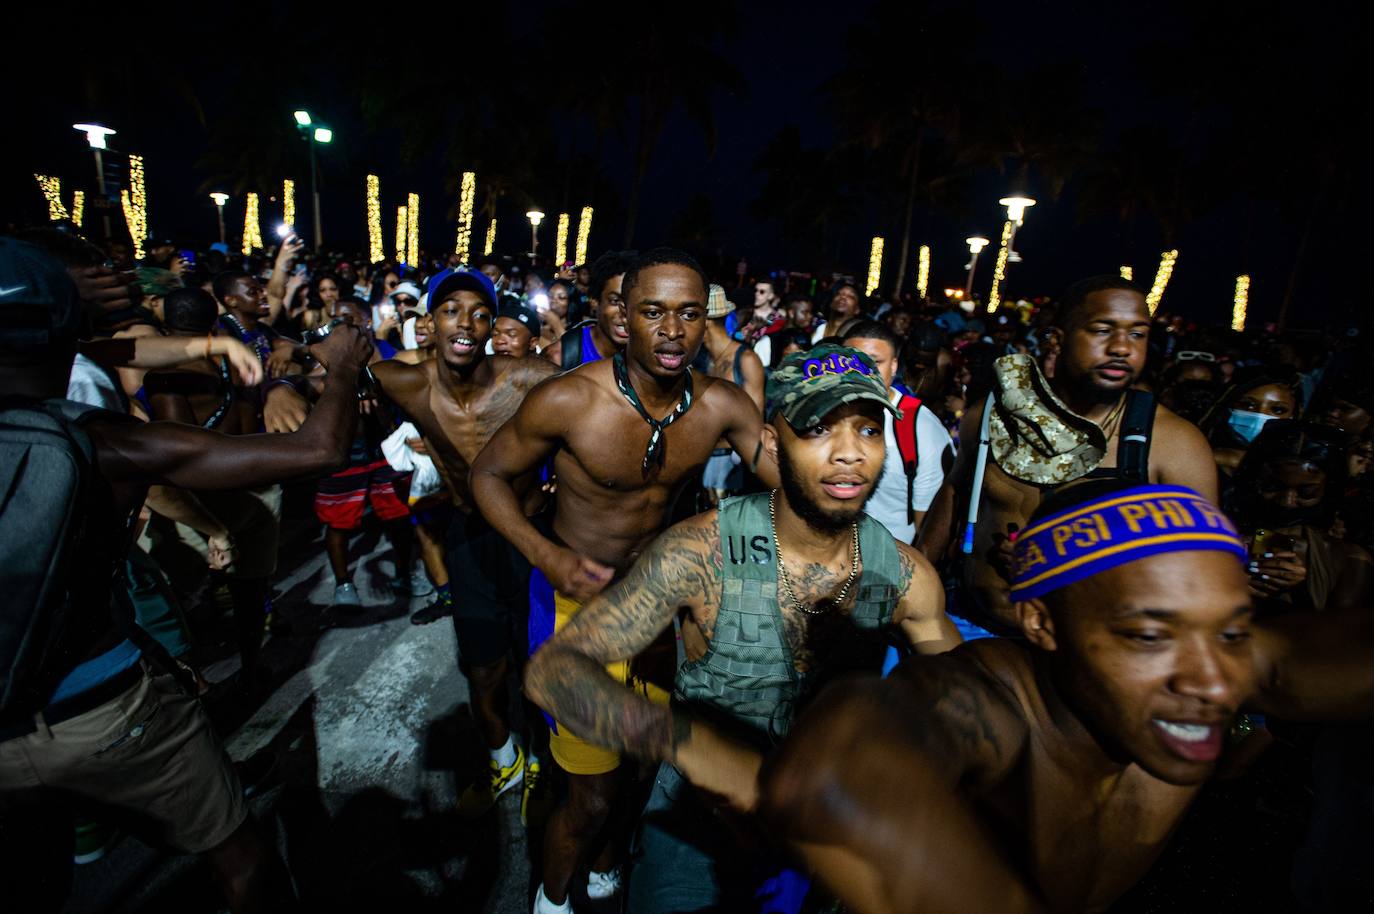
column 152, row 81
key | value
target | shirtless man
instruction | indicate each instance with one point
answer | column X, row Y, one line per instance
column 626, row 434
column 1048, row 775
column 1101, row 336
column 458, row 400
column 730, row 360
column 246, row 308
column 211, row 394
column 773, row 629
column 605, row 335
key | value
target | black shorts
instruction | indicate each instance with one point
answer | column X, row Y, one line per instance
column 490, row 581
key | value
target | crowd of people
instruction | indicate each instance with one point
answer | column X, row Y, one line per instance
column 1081, row 558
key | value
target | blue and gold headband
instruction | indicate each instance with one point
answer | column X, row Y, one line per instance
column 1113, row 530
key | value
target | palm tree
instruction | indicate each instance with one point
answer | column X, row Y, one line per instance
column 665, row 60
column 902, row 86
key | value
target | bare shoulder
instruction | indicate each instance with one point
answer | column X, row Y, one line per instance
column 917, row 577
column 398, row 377
column 1180, row 454
column 968, row 701
column 526, row 372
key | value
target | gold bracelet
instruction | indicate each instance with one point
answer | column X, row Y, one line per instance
column 208, row 338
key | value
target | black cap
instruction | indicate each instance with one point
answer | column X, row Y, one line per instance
column 527, row 316
column 39, row 306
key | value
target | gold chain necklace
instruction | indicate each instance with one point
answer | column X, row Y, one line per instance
column 782, row 566
column 1109, row 425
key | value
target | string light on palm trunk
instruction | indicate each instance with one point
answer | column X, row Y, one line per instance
column 584, row 234
column 288, row 206
column 1241, row 303
column 875, row 265
column 52, row 192
column 413, row 229
column 1127, row 273
column 252, row 230
column 999, row 270
column 138, row 200
column 376, row 244
column 1166, row 269
column 467, row 195
column 490, row 244
column 78, row 207
column 401, row 227
column 560, row 241
column 922, row 270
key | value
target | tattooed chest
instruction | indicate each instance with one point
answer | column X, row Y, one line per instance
column 812, row 637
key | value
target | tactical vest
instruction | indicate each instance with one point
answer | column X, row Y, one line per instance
column 747, row 674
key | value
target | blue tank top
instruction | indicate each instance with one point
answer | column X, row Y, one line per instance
column 589, row 350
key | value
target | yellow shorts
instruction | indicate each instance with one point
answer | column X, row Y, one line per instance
column 572, row 754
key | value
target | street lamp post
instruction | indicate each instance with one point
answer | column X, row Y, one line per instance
column 314, row 133
column 95, row 135
column 975, row 247
column 220, row 199
column 1016, row 205
column 535, row 216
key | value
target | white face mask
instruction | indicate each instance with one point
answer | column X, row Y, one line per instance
column 1246, row 424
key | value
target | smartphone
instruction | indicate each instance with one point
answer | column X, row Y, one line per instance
column 386, row 310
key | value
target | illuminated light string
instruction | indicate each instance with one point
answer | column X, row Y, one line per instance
column 491, row 238
column 1241, row 303
column 923, row 270
column 875, row 265
column 413, row 228
column 288, row 206
column 78, row 207
column 560, row 244
column 584, row 234
column 252, row 230
column 376, row 244
column 467, row 195
column 1166, row 269
column 52, row 192
column 401, row 234
column 134, row 202
column 999, row 271
column 1127, row 273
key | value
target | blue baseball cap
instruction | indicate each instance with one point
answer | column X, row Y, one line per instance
column 458, row 278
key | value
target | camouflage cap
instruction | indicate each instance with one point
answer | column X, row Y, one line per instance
column 807, row 386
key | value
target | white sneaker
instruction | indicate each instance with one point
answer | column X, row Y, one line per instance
column 346, row 595
column 543, row 906
column 419, row 584
column 603, row 885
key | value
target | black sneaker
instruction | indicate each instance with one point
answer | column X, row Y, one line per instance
column 431, row 613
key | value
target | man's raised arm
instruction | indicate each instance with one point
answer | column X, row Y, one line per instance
column 867, row 789
column 170, row 453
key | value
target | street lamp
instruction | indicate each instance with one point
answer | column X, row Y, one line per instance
column 975, row 247
column 1016, row 205
column 320, row 134
column 95, row 135
column 220, row 199
column 535, row 216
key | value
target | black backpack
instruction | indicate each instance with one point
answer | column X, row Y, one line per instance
column 570, row 345
column 46, row 497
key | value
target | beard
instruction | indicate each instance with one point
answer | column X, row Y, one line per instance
column 817, row 518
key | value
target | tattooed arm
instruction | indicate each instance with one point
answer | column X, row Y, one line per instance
column 567, row 677
column 920, row 611
column 867, row 789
